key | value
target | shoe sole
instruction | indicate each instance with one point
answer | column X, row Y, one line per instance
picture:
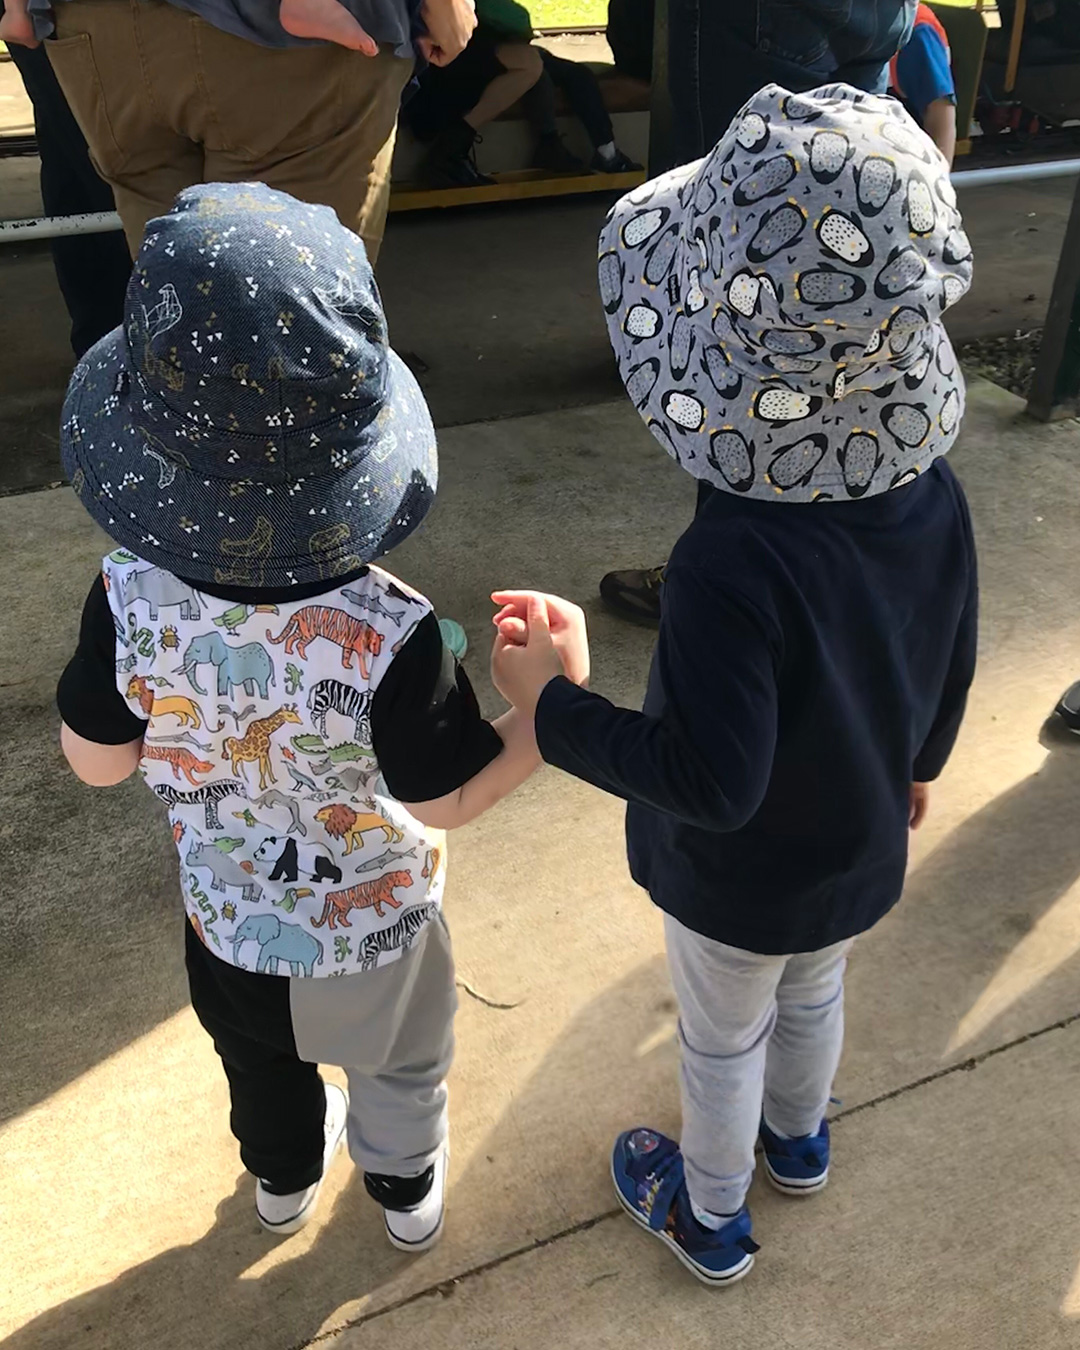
column 305, row 1216
column 402, row 1244
column 423, row 1244
column 732, row 1276
column 295, row 1224
column 795, row 1188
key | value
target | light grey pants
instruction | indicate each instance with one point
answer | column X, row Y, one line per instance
column 392, row 1030
column 755, row 1031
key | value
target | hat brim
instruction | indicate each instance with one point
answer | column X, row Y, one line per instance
column 702, row 400
column 235, row 531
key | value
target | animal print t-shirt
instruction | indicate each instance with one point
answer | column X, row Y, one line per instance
column 294, row 857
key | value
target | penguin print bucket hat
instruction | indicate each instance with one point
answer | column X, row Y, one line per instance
column 249, row 424
column 775, row 308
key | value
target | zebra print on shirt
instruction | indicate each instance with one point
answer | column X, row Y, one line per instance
column 400, row 934
column 334, row 696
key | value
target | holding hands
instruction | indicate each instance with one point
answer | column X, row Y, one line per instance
column 538, row 637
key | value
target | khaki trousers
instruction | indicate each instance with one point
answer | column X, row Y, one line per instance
column 166, row 100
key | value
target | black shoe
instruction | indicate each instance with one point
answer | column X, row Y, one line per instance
column 451, row 160
column 618, row 163
column 634, row 594
column 1068, row 707
column 551, row 154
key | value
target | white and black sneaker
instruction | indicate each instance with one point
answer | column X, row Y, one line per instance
column 413, row 1207
column 289, row 1213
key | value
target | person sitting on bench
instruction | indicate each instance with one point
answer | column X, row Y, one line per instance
column 500, row 66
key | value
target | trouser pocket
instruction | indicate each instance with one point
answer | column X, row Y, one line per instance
column 72, row 60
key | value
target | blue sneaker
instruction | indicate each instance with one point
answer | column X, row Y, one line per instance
column 647, row 1168
column 797, row 1166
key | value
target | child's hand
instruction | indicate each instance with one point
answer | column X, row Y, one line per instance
column 566, row 622
column 520, row 669
column 920, row 804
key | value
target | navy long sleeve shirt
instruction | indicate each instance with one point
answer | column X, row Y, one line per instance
column 813, row 661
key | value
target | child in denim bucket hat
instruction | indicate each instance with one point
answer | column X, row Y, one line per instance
column 775, row 312
column 253, row 445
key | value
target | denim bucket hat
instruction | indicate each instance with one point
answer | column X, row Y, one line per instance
column 775, row 308
column 249, row 424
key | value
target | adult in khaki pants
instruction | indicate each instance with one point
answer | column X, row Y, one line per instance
column 168, row 96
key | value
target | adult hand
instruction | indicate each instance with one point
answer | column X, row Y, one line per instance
column 449, row 25
column 566, row 622
column 919, row 804
column 17, row 29
column 521, row 671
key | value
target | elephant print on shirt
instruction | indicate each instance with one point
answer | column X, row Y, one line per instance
column 278, row 941
column 249, row 665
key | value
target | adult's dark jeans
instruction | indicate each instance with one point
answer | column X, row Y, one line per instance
column 91, row 269
column 721, row 52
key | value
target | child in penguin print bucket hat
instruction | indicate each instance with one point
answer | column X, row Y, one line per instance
column 254, row 446
column 775, row 311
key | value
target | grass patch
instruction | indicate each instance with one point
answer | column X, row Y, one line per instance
column 572, row 13
column 593, row 13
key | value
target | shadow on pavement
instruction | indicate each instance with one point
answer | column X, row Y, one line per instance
column 200, row 1294
column 959, row 946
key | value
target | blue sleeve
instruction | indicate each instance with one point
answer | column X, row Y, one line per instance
column 707, row 757
column 922, row 68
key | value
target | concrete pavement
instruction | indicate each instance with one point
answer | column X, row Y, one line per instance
column 953, row 1218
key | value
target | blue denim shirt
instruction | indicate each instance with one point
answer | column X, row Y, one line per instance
column 721, row 52
column 825, row 36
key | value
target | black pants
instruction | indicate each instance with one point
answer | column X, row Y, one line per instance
column 278, row 1101
column 582, row 91
column 92, row 269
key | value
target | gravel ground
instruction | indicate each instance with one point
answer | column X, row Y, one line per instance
column 1008, row 361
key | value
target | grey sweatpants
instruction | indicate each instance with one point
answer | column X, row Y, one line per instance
column 755, row 1032
column 392, row 1030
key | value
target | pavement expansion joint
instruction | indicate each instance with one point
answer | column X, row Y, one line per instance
column 963, row 1066
column 443, row 1288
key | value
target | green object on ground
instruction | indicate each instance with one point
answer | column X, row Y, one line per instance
column 454, row 636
